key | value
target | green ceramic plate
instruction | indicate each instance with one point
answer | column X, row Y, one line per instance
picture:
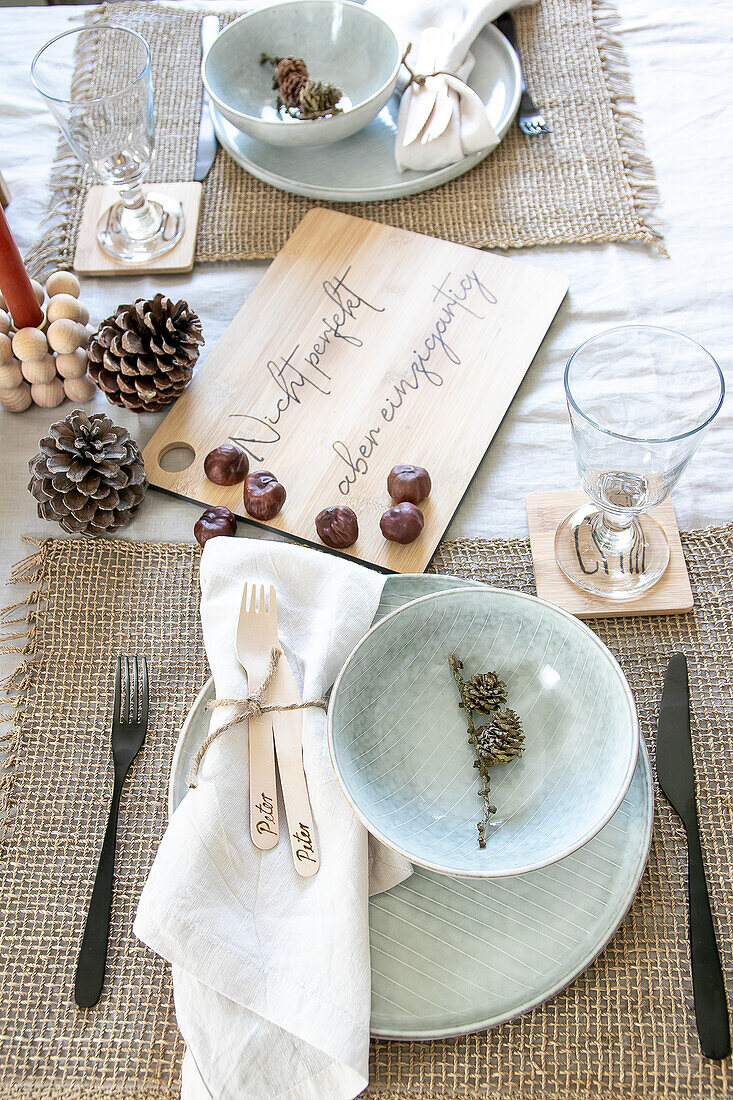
column 454, row 955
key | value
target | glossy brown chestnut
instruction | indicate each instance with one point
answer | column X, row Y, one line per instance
column 215, row 521
column 402, row 523
column 264, row 496
column 409, row 483
column 337, row 527
column 226, row 465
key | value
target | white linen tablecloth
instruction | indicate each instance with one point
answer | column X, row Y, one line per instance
column 680, row 59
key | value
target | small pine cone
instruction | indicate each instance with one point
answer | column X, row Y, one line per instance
column 486, row 692
column 501, row 740
column 291, row 75
column 317, row 99
column 142, row 357
column 89, row 475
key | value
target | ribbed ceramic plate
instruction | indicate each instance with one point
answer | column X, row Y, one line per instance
column 453, row 955
column 362, row 167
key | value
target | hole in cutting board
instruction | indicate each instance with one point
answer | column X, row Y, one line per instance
column 176, row 457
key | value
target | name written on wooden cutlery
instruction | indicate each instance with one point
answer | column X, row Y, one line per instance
column 305, row 849
column 266, row 821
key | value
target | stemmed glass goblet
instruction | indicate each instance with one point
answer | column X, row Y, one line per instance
column 640, row 400
column 111, row 129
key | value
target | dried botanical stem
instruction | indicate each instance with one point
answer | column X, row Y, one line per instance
column 484, row 789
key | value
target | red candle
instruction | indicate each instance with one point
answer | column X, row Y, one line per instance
column 16, row 287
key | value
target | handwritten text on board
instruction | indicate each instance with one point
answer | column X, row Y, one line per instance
column 300, row 374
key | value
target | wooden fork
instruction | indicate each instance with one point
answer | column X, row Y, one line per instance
column 256, row 635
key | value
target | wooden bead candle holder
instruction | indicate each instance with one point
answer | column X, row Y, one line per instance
column 45, row 365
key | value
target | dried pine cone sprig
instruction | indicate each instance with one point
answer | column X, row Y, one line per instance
column 291, row 75
column 300, row 96
column 318, row 99
column 498, row 742
column 143, row 356
column 89, row 475
column 485, row 692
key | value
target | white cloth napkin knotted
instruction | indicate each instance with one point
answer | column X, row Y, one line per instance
column 271, row 971
column 442, row 119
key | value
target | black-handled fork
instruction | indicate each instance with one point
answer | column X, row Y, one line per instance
column 129, row 725
column 531, row 119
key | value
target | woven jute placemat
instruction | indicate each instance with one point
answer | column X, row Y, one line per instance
column 589, row 180
column 624, row 1031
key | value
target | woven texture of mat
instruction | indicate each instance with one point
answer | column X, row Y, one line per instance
column 589, row 180
column 623, row 1031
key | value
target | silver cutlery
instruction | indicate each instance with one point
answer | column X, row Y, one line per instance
column 676, row 775
column 129, row 726
column 207, row 144
column 531, row 120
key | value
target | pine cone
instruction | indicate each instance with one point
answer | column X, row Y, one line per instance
column 317, row 99
column 501, row 740
column 485, row 692
column 89, row 475
column 143, row 356
column 291, row 74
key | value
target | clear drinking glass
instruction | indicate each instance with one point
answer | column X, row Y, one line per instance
column 640, row 400
column 112, row 132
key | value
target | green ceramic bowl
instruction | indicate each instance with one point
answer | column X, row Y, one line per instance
column 399, row 745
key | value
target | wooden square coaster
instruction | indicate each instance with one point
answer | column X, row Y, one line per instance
column 671, row 595
column 89, row 259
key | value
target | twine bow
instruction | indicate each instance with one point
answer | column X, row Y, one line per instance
column 253, row 706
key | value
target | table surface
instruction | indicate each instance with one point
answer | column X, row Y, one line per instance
column 683, row 78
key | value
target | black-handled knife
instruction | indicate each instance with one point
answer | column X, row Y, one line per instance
column 206, row 150
column 676, row 775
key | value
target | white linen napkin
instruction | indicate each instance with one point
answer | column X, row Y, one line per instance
column 271, row 971
column 442, row 120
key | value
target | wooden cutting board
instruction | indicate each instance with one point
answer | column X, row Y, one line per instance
column 363, row 346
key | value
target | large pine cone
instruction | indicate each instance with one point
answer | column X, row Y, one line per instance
column 291, row 75
column 142, row 357
column 89, row 475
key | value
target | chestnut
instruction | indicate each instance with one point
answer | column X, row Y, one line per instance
column 337, row 527
column 409, row 483
column 264, row 496
column 226, row 465
column 402, row 523
column 216, row 520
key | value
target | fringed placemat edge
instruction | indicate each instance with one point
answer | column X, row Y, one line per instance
column 640, row 173
column 13, row 688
